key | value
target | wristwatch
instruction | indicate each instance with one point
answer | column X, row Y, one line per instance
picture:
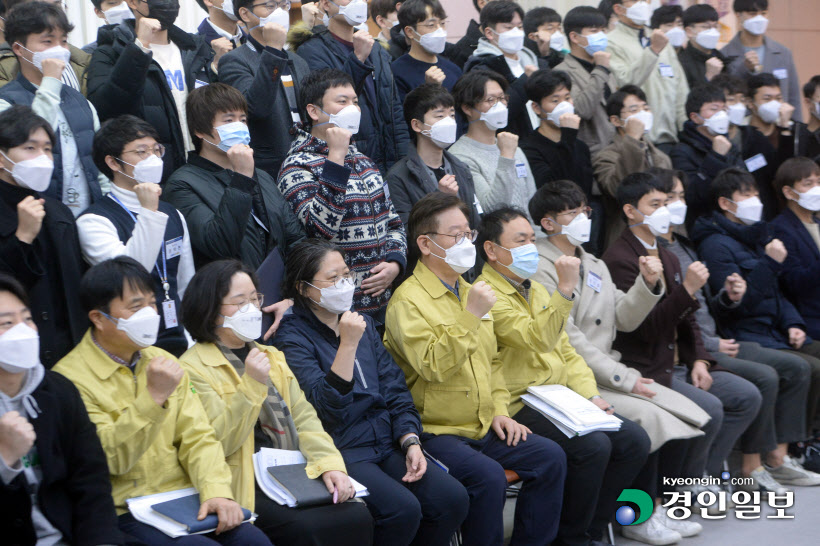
column 411, row 441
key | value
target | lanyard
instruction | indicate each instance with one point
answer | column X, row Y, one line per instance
column 163, row 273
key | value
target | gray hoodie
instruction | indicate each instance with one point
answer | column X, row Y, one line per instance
column 25, row 404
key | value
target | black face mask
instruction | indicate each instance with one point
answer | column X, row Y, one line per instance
column 164, row 11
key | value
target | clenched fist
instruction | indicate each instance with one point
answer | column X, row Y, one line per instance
column 30, row 214
column 480, row 299
column 696, row 277
column 601, row 58
column 434, row 75
column 16, row 437
column 635, row 128
column 776, row 251
column 507, row 144
column 146, row 30
column 338, row 142
column 735, row 287
column 362, row 44
column 448, row 184
column 721, row 145
column 658, row 41
column 162, row 377
column 714, row 66
column 220, row 46
column 53, row 68
column 274, row 35
column 257, row 365
column 240, row 156
column 351, row 328
column 568, row 269
column 570, row 121
column 148, row 195
column 651, row 270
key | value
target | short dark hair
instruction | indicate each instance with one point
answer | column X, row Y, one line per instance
column 469, row 89
column 424, row 214
column 811, row 86
column 615, row 102
column 315, row 85
column 664, row 15
column 605, row 7
column 205, row 103
column 731, row 84
column 756, row 81
column 728, row 181
column 634, row 186
column 577, row 19
column 793, row 170
column 302, row 263
column 422, row 99
column 539, row 16
column 33, row 18
column 699, row 13
column 14, row 287
column 497, row 12
column 492, row 226
column 702, row 94
column 106, row 282
column 413, row 12
column 18, row 123
column 381, row 7
column 203, row 297
column 666, row 178
column 750, row 5
column 247, row 4
column 544, row 83
column 114, row 135
column 554, row 197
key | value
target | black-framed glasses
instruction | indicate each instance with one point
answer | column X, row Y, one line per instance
column 460, row 236
column 158, row 150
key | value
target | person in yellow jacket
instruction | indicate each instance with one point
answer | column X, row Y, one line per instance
column 439, row 330
column 253, row 400
column 151, row 424
column 529, row 328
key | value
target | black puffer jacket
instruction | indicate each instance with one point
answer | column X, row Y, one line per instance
column 122, row 79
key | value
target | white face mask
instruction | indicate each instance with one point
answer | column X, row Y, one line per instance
column 718, row 124
column 815, row 110
column 33, row 174
column 565, row 107
column 348, row 118
column 147, row 170
column 639, row 13
column 434, row 42
column 809, row 200
column 337, row 298
column 577, row 231
column 644, row 117
column 56, row 52
column 557, row 41
column 278, row 16
column 749, row 211
column 708, row 39
column 658, row 221
column 495, row 117
column 355, row 13
column 676, row 36
column 510, row 41
column 460, row 257
column 737, row 114
column 677, row 210
column 247, row 324
column 769, row 112
column 142, row 327
column 442, row 132
column 757, row 25
column 118, row 14
column 19, row 348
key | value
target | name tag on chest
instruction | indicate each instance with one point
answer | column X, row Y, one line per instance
column 756, row 162
column 173, row 248
column 781, row 73
column 169, row 312
column 521, row 170
column 666, row 70
column 594, row 281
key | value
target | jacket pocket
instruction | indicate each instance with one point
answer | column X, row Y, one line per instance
column 449, row 406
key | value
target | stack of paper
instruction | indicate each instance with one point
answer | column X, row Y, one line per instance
column 142, row 510
column 573, row 414
column 266, row 457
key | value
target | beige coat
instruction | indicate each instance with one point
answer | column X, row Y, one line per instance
column 588, row 97
column 623, row 156
column 595, row 318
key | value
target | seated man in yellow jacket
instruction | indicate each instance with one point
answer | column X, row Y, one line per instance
column 439, row 330
column 151, row 424
column 535, row 350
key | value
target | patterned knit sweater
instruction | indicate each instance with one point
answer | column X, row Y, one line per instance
column 347, row 205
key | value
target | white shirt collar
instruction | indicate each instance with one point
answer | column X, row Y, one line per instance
column 235, row 38
column 646, row 246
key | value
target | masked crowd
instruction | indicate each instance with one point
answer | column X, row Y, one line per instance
column 599, row 199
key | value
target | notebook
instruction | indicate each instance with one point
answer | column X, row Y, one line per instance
column 184, row 511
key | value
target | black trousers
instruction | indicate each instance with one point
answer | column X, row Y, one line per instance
column 599, row 466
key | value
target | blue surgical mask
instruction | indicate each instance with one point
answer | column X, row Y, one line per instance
column 232, row 134
column 525, row 260
column 596, row 42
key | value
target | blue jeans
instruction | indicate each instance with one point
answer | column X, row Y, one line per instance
column 243, row 535
column 479, row 465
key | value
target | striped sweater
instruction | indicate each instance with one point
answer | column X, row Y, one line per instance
column 348, row 205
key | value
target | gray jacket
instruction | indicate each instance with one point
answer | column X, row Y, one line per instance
column 777, row 60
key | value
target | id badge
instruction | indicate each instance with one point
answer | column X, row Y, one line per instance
column 169, row 313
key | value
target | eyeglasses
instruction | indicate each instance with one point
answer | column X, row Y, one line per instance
column 492, row 101
column 460, row 236
column 256, row 300
column 271, row 6
column 338, row 279
column 576, row 212
column 433, row 24
column 143, row 152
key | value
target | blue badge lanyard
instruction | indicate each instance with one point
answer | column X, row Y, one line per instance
column 163, row 273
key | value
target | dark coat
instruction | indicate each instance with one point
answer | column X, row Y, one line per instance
column 209, row 35
column 366, row 416
column 124, row 80
column 217, row 205
column 50, row 270
column 465, row 47
column 807, row 143
column 567, row 159
column 801, row 270
column 651, row 347
column 383, row 135
column 694, row 156
column 258, row 76
column 754, row 143
column 693, row 62
column 75, row 491
column 764, row 315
